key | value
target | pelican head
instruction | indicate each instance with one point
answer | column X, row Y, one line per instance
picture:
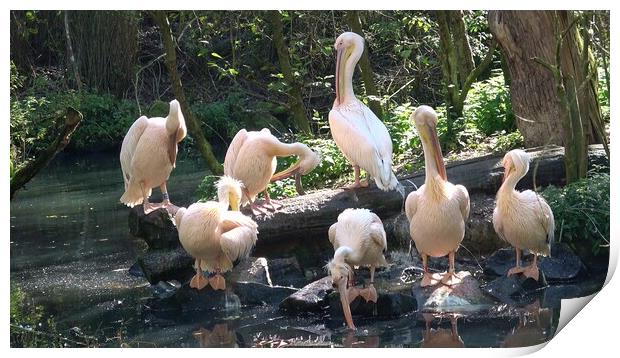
column 308, row 160
column 425, row 120
column 229, row 192
column 516, row 162
column 178, row 216
column 347, row 44
column 340, row 272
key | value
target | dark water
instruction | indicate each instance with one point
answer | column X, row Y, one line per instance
column 71, row 251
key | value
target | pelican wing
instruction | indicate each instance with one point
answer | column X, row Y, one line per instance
column 497, row 224
column 332, row 233
column 128, row 148
column 543, row 212
column 239, row 234
column 463, row 198
column 233, row 151
column 238, row 242
column 411, row 204
column 365, row 141
column 377, row 233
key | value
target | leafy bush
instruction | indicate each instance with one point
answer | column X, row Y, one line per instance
column 581, row 212
column 488, row 106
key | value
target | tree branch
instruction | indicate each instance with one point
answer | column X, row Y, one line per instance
column 473, row 75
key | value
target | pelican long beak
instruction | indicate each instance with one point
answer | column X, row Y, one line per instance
column 292, row 170
column 234, row 202
column 507, row 170
column 298, row 185
column 172, row 149
column 441, row 168
column 344, row 299
column 339, row 74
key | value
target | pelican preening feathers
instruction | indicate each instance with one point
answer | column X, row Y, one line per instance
column 359, row 240
column 523, row 219
column 215, row 236
column 361, row 136
column 251, row 159
column 148, row 155
column 437, row 211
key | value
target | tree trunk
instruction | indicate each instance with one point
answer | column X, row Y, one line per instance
column 193, row 125
column 374, row 102
column 65, row 125
column 457, row 65
column 74, row 66
column 295, row 100
column 523, row 36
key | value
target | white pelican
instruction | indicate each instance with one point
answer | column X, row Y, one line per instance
column 215, row 236
column 358, row 239
column 523, row 219
column 360, row 135
column 251, row 159
column 438, row 209
column 148, row 155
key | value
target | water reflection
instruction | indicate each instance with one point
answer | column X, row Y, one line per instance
column 535, row 326
column 350, row 340
column 441, row 337
column 221, row 335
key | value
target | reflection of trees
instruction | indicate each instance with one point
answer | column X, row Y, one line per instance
column 441, row 337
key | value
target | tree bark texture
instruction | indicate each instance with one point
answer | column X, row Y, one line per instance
column 353, row 20
column 70, row 55
column 65, row 125
column 295, row 100
column 523, row 36
column 193, row 125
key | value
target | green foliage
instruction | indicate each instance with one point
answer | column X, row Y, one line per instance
column 581, row 211
column 206, row 189
column 28, row 325
column 488, row 106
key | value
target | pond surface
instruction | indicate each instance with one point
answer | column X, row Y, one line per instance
column 71, row 252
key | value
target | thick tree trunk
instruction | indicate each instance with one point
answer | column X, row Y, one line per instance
column 295, row 101
column 523, row 36
column 193, row 125
column 461, row 44
column 374, row 102
column 65, row 125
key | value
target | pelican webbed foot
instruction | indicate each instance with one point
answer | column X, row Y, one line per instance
column 430, row 279
column 217, row 282
column 258, row 209
column 199, row 281
column 352, row 293
column 515, row 270
column 531, row 271
column 451, row 279
column 369, row 293
column 274, row 205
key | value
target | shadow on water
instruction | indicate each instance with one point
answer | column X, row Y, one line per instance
column 71, row 251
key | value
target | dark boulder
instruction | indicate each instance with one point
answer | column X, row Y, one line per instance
column 253, row 293
column 157, row 228
column 514, row 290
column 562, row 266
column 389, row 304
column 310, row 298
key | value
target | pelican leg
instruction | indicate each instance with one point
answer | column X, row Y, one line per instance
column 451, row 278
column 352, row 291
column 518, row 268
column 146, row 205
column 217, row 282
column 199, row 280
column 370, row 293
column 164, row 193
column 357, row 183
column 428, row 279
column 274, row 204
column 532, row 270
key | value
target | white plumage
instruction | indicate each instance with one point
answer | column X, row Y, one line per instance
column 361, row 136
column 523, row 219
column 148, row 154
